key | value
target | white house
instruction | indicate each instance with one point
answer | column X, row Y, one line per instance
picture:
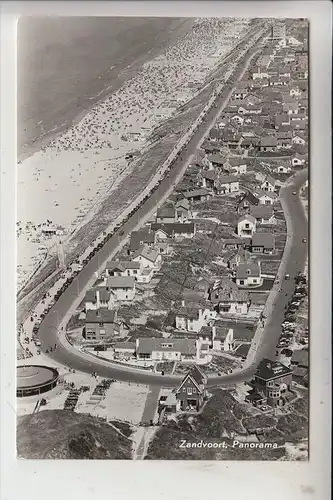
column 223, row 339
column 297, row 161
column 246, row 226
column 249, row 275
column 122, row 268
column 192, row 319
column 265, row 197
column 298, row 139
column 228, row 299
column 97, row 298
column 158, row 349
column 282, row 169
column 148, row 257
column 263, row 214
column 268, row 184
column 122, row 287
column 227, row 184
column 236, row 166
column 146, row 275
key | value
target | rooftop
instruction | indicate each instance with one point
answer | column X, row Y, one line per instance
column 31, row 376
column 146, row 345
column 268, row 369
column 120, row 282
column 266, row 240
column 100, row 316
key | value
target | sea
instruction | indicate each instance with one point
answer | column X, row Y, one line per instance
column 66, row 64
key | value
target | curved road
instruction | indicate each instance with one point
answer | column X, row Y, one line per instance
column 68, row 355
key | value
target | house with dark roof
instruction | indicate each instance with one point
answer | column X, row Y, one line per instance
column 228, row 299
column 265, row 197
column 247, row 201
column 271, row 384
column 263, row 243
column 141, row 237
column 183, row 210
column 236, row 165
column 240, row 257
column 148, row 258
column 191, row 392
column 263, row 214
column 192, row 319
column 97, row 298
column 208, row 178
column 227, row 184
column 101, row 324
column 268, row 143
column 177, row 230
column 216, row 160
column 194, row 195
column 122, row 287
column 166, row 214
column 122, row 268
column 248, row 274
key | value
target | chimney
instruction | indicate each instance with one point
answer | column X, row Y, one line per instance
column 213, row 332
column 183, row 303
column 97, row 299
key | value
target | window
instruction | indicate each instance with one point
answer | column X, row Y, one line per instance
column 241, row 282
column 247, row 225
column 189, row 390
column 184, row 389
column 194, row 390
column 101, row 323
column 135, row 271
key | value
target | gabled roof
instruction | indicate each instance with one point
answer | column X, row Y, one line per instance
column 266, row 240
column 140, row 237
column 120, row 282
column 253, row 200
column 122, row 265
column 91, row 295
column 149, row 344
column 217, row 158
column 209, row 174
column 168, row 211
column 248, row 218
column 176, row 228
column 147, row 253
column 261, row 211
column 235, row 162
column 268, row 369
column 227, row 179
column 269, row 179
column 260, row 194
column 247, row 269
column 100, row 316
column 183, row 203
column 228, row 291
column 268, row 141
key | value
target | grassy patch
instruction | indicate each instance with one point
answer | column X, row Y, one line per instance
column 60, row 434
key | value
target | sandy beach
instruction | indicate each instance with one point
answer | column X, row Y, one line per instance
column 62, row 186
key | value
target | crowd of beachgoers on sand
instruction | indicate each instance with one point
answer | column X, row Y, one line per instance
column 65, row 182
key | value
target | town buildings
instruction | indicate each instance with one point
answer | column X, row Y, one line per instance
column 271, row 384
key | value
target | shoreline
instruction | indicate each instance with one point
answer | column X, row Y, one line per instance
column 110, row 86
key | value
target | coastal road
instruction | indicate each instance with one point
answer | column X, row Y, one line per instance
column 295, row 263
column 49, row 328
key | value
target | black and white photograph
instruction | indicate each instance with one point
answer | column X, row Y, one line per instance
column 165, row 249
column 162, row 238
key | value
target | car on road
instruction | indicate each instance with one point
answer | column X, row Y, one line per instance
column 121, row 233
column 294, row 192
column 287, row 276
column 304, row 240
